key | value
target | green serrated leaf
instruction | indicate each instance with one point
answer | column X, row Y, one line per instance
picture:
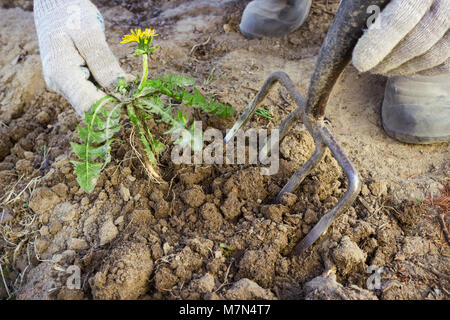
column 178, row 80
column 87, row 174
column 100, row 127
column 88, row 152
column 158, row 146
column 197, row 100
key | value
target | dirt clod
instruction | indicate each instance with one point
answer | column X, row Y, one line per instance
column 348, row 256
column 77, row 244
column 274, row 212
column 246, row 289
column 378, row 188
column 193, row 197
column 258, row 265
column 288, row 199
column 44, row 199
column 231, row 207
column 125, row 274
column 327, row 288
column 108, row 232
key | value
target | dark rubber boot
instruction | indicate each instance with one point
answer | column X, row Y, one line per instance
column 273, row 18
column 417, row 109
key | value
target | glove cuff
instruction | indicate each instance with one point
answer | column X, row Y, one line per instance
column 43, row 7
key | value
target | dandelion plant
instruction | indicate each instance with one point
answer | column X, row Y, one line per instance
column 140, row 101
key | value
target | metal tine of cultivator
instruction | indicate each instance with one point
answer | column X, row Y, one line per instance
column 354, row 186
column 322, row 138
column 347, row 27
column 275, row 77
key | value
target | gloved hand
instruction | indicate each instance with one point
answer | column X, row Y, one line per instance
column 72, row 44
column 412, row 38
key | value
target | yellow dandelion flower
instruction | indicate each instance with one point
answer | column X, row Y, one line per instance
column 152, row 33
column 137, row 35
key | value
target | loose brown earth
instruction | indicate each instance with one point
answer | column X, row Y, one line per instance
column 133, row 238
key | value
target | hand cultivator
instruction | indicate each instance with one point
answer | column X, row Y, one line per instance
column 335, row 54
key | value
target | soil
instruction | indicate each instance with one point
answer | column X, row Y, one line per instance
column 211, row 232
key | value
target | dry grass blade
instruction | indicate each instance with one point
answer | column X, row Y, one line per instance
column 149, row 169
column 18, row 232
column 12, row 196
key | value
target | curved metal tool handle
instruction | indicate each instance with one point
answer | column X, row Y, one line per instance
column 336, row 52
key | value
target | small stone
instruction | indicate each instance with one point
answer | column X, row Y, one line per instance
column 365, row 190
column 246, row 289
column 193, row 197
column 85, row 201
column 44, row 231
column 43, row 117
column 156, row 195
column 210, row 213
column 218, row 254
column 66, row 212
column 102, row 196
column 44, row 199
column 142, row 217
column 77, row 244
column 119, row 220
column 28, row 155
column 126, row 171
column 61, row 190
column 157, row 251
column 201, row 245
column 288, row 199
column 348, row 256
column 327, row 288
column 310, row 216
column 42, row 245
column 167, row 248
column 274, row 212
column 108, row 232
column 226, row 28
column 231, row 207
column 44, row 218
column 204, row 284
column 124, row 193
column 162, row 209
column 55, row 227
column 378, row 188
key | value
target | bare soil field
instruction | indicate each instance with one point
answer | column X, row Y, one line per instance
column 133, row 238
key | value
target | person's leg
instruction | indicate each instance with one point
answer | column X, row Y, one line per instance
column 417, row 109
column 273, row 18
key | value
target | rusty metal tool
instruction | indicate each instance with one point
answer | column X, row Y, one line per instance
column 343, row 34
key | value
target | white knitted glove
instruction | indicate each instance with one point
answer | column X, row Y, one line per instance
column 411, row 38
column 71, row 37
